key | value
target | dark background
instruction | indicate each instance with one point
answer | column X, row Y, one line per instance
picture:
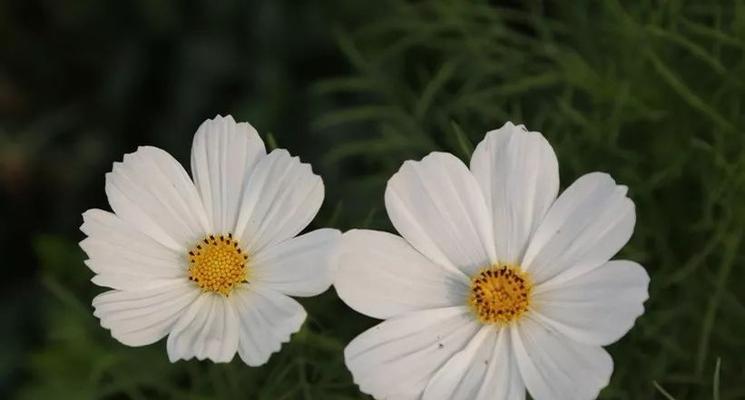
column 651, row 92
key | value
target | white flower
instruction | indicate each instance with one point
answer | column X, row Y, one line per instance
column 496, row 285
column 210, row 263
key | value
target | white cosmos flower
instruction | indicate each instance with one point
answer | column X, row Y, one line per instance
column 496, row 285
column 210, row 263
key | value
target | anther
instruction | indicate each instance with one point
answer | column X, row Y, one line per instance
column 500, row 294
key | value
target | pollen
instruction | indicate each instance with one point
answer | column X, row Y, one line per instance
column 218, row 264
column 500, row 294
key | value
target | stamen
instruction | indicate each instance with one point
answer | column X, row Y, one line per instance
column 500, row 294
column 218, row 266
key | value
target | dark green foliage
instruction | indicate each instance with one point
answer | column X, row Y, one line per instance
column 652, row 92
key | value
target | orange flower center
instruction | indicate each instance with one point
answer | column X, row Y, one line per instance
column 217, row 264
column 500, row 294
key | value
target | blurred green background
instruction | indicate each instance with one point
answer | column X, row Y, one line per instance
column 652, row 92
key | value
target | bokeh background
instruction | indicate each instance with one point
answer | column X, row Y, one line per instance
column 652, row 92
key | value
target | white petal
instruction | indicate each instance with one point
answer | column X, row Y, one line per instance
column 398, row 357
column 222, row 156
column 503, row 380
column 152, row 192
column 209, row 329
column 438, row 207
column 598, row 307
column 555, row 367
column 519, row 176
column 301, row 266
column 125, row 258
column 141, row 317
column 281, row 198
column 584, row 228
column 486, row 369
column 267, row 320
column 382, row 276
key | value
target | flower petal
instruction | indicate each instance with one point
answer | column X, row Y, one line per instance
column 141, row 317
column 503, row 378
column 301, row 266
column 222, row 156
column 519, row 176
column 584, row 228
column 123, row 257
column 437, row 206
column 598, row 307
column 151, row 192
column 209, row 329
column 485, row 370
column 555, row 367
column 382, row 276
column 267, row 319
column 398, row 357
column 280, row 199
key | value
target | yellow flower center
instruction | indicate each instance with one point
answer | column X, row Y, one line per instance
column 500, row 294
column 217, row 264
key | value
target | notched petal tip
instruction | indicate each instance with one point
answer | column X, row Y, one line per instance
column 434, row 157
column 290, row 159
column 87, row 216
column 510, row 128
